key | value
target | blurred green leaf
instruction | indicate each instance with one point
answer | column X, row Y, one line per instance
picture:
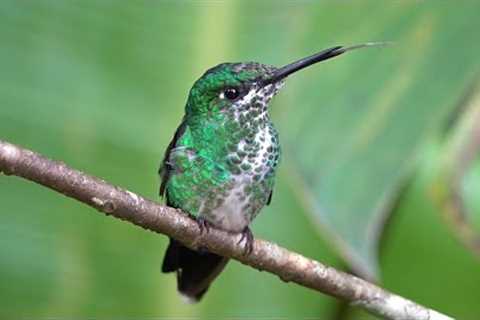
column 470, row 183
column 421, row 258
column 472, row 195
column 354, row 125
column 102, row 85
column 457, row 188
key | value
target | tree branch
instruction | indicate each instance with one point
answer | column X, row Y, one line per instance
column 128, row 206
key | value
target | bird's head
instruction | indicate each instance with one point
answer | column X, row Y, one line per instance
column 229, row 87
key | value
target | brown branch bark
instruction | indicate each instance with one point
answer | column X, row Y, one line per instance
column 287, row 265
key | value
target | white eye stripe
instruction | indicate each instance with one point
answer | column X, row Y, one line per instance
column 222, row 95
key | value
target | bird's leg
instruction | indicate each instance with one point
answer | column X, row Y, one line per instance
column 247, row 235
column 203, row 225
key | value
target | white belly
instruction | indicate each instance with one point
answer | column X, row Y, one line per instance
column 231, row 215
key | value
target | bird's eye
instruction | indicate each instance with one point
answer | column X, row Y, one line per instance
column 231, row 93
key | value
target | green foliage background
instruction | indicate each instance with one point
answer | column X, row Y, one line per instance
column 101, row 85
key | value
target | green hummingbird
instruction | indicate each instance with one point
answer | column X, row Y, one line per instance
column 220, row 165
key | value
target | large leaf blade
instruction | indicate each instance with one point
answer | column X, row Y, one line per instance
column 353, row 155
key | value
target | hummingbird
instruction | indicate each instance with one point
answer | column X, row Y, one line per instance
column 220, row 165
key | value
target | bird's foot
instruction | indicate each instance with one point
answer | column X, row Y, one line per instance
column 203, row 225
column 247, row 235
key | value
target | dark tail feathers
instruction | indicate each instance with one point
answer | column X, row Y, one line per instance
column 195, row 270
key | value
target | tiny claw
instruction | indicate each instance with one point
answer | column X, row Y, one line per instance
column 247, row 235
column 203, row 225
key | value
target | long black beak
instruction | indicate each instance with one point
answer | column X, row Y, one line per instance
column 326, row 54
